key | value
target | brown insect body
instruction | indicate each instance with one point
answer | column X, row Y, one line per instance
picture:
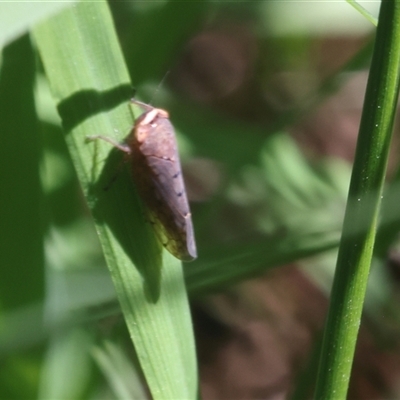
column 158, row 176
column 153, row 152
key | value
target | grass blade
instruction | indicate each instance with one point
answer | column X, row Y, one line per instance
column 90, row 83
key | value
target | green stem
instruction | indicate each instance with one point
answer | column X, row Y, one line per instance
column 360, row 222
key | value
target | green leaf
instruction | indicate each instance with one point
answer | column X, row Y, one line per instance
column 17, row 17
column 118, row 370
column 363, row 12
column 20, row 153
column 67, row 355
column 91, row 85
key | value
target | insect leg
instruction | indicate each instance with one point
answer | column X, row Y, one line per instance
column 123, row 147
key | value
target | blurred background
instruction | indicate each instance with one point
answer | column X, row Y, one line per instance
column 266, row 99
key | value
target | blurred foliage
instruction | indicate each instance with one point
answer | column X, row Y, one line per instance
column 259, row 202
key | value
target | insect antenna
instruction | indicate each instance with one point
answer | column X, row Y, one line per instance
column 149, row 106
column 159, row 87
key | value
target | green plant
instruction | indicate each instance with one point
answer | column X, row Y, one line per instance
column 272, row 206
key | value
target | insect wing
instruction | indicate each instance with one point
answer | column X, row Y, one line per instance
column 159, row 176
column 173, row 212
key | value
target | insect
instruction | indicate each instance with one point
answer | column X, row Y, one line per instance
column 151, row 149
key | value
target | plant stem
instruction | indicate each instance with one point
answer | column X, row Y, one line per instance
column 360, row 222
